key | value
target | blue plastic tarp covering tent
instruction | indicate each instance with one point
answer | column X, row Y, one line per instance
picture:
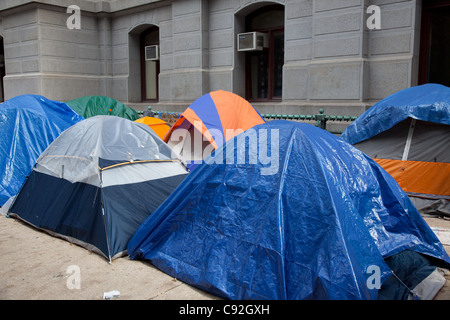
column 428, row 102
column 312, row 226
column 28, row 124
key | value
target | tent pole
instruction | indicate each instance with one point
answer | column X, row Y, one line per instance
column 408, row 140
column 104, row 218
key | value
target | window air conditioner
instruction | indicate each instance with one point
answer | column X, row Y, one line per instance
column 252, row 41
column 152, row 53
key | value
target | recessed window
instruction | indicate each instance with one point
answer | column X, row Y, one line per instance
column 2, row 69
column 150, row 64
column 435, row 44
column 264, row 68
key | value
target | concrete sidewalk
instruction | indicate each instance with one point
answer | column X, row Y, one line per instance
column 37, row 266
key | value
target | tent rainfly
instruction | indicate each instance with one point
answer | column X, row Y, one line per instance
column 28, row 124
column 91, row 106
column 408, row 134
column 208, row 122
column 159, row 126
column 330, row 223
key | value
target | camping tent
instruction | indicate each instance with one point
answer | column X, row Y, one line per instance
column 408, row 134
column 159, row 126
column 28, row 124
column 210, row 121
column 97, row 182
column 316, row 228
column 90, row 106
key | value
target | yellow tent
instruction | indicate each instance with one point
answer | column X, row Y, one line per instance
column 157, row 125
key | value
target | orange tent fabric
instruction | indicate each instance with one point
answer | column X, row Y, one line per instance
column 419, row 176
column 159, row 126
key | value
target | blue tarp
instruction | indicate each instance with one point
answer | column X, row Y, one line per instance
column 315, row 228
column 428, row 102
column 28, row 124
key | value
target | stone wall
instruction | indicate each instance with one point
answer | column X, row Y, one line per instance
column 332, row 60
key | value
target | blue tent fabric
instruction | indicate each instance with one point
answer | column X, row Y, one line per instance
column 28, row 124
column 428, row 102
column 312, row 230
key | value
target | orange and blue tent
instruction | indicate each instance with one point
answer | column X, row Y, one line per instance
column 214, row 118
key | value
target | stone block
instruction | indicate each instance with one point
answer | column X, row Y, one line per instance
column 337, row 23
column 186, row 24
column 220, row 80
column 184, row 7
column 221, row 21
column 63, row 88
column 298, row 50
column 394, row 18
column 335, row 81
column 21, row 50
column 31, row 65
column 336, row 4
column 295, row 82
column 19, row 19
column 221, row 58
column 186, row 85
column 298, row 9
column 390, row 43
column 186, row 42
column 15, row 85
column 221, row 39
column 57, row 49
column 166, row 62
column 187, row 60
column 298, row 29
column 337, row 47
column 388, row 77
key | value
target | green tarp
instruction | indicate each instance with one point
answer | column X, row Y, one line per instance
column 90, row 106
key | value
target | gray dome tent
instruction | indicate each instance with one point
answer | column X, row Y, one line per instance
column 88, row 186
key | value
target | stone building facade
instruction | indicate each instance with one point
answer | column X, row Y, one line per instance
column 318, row 53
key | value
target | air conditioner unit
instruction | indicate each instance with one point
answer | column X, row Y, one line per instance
column 252, row 41
column 152, row 53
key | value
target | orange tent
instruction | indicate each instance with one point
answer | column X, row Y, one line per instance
column 159, row 126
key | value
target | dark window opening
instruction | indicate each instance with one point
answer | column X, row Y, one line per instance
column 435, row 43
column 2, row 70
column 264, row 69
column 149, row 68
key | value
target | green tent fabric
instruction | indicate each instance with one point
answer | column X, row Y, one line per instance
column 90, row 106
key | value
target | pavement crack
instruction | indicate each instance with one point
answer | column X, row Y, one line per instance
column 164, row 292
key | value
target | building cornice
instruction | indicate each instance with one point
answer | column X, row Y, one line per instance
column 85, row 5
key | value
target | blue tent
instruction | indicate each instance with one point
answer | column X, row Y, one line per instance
column 28, row 124
column 408, row 134
column 428, row 102
column 315, row 227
